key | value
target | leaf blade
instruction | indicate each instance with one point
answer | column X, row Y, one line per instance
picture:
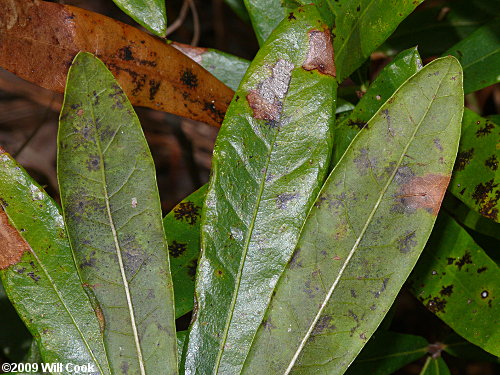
column 149, row 13
column 104, row 205
column 315, row 274
column 261, row 188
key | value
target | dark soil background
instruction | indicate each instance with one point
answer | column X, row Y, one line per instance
column 182, row 149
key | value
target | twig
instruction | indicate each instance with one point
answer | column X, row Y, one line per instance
column 180, row 20
column 196, row 23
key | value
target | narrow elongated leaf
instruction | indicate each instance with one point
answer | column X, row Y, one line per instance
column 476, row 178
column 182, row 229
column 390, row 78
column 149, row 13
column 267, row 169
column 366, row 230
column 39, row 40
column 387, row 352
column 39, row 274
column 458, row 282
column 479, row 55
column 113, row 219
column 435, row 366
column 265, row 16
column 227, row 68
column 440, row 25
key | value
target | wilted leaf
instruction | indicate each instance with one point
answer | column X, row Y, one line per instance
column 226, row 67
column 42, row 282
column 458, row 282
column 153, row 74
column 476, row 178
column 390, row 78
column 149, row 13
column 182, row 229
column 479, row 55
column 366, row 230
column 435, row 366
column 267, row 170
column 387, row 352
column 113, row 219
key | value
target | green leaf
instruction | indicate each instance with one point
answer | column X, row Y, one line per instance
column 265, row 16
column 148, row 13
column 238, row 7
column 390, row 78
column 387, row 352
column 113, row 219
column 479, row 55
column 435, row 366
column 42, row 281
column 439, row 25
column 458, row 282
column 181, row 340
column 366, row 230
column 361, row 26
column 267, row 169
column 461, row 348
column 182, row 229
column 476, row 180
column 470, row 218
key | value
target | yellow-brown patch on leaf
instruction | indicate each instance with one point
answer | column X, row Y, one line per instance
column 262, row 109
column 320, row 55
column 425, row 192
column 15, row 12
column 12, row 245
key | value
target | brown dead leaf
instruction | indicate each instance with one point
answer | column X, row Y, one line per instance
column 12, row 245
column 38, row 43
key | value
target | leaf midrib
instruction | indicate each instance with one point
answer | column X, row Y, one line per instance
column 115, row 238
column 360, row 237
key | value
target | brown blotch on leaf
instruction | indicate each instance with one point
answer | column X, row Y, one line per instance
column 15, row 12
column 12, row 245
column 446, row 290
column 320, row 55
column 424, row 192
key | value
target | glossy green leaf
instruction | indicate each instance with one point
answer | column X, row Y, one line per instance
column 390, row 78
column 470, row 218
column 238, row 6
column 435, row 366
column 265, row 16
column 463, row 349
column 182, row 229
column 181, row 340
column 267, row 169
column 440, row 25
column 366, row 230
column 458, row 282
column 476, row 178
column 148, row 13
column 361, row 26
column 113, row 219
column 387, row 352
column 43, row 285
column 479, row 55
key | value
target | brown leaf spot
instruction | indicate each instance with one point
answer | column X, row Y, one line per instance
column 188, row 212
column 482, row 269
column 492, row 162
column 486, row 129
column 446, row 290
column 463, row 159
column 487, row 196
column 436, row 304
column 425, row 192
column 189, row 79
column 406, row 242
column 176, row 249
column 266, row 101
column 12, row 245
column 463, row 260
column 283, row 199
column 320, row 55
column 324, row 324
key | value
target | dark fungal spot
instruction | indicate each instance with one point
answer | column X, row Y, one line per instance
column 93, row 162
column 125, row 53
column 382, row 288
column 436, row 305
column 75, row 106
column 90, row 261
column 154, row 86
column 189, row 79
column 320, row 55
column 463, row 260
column 353, row 293
column 3, row 203
column 446, row 291
column 437, row 144
column 450, row 261
column 33, row 276
column 191, row 268
column 294, row 261
column 487, row 196
column 188, row 212
column 406, row 242
column 213, row 111
column 482, row 269
column 176, row 249
column 283, row 199
column 356, row 124
column 486, row 129
column 291, row 16
column 324, row 324
column 358, row 8
column 268, row 325
column 492, row 162
column 463, row 159
column 219, row 273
